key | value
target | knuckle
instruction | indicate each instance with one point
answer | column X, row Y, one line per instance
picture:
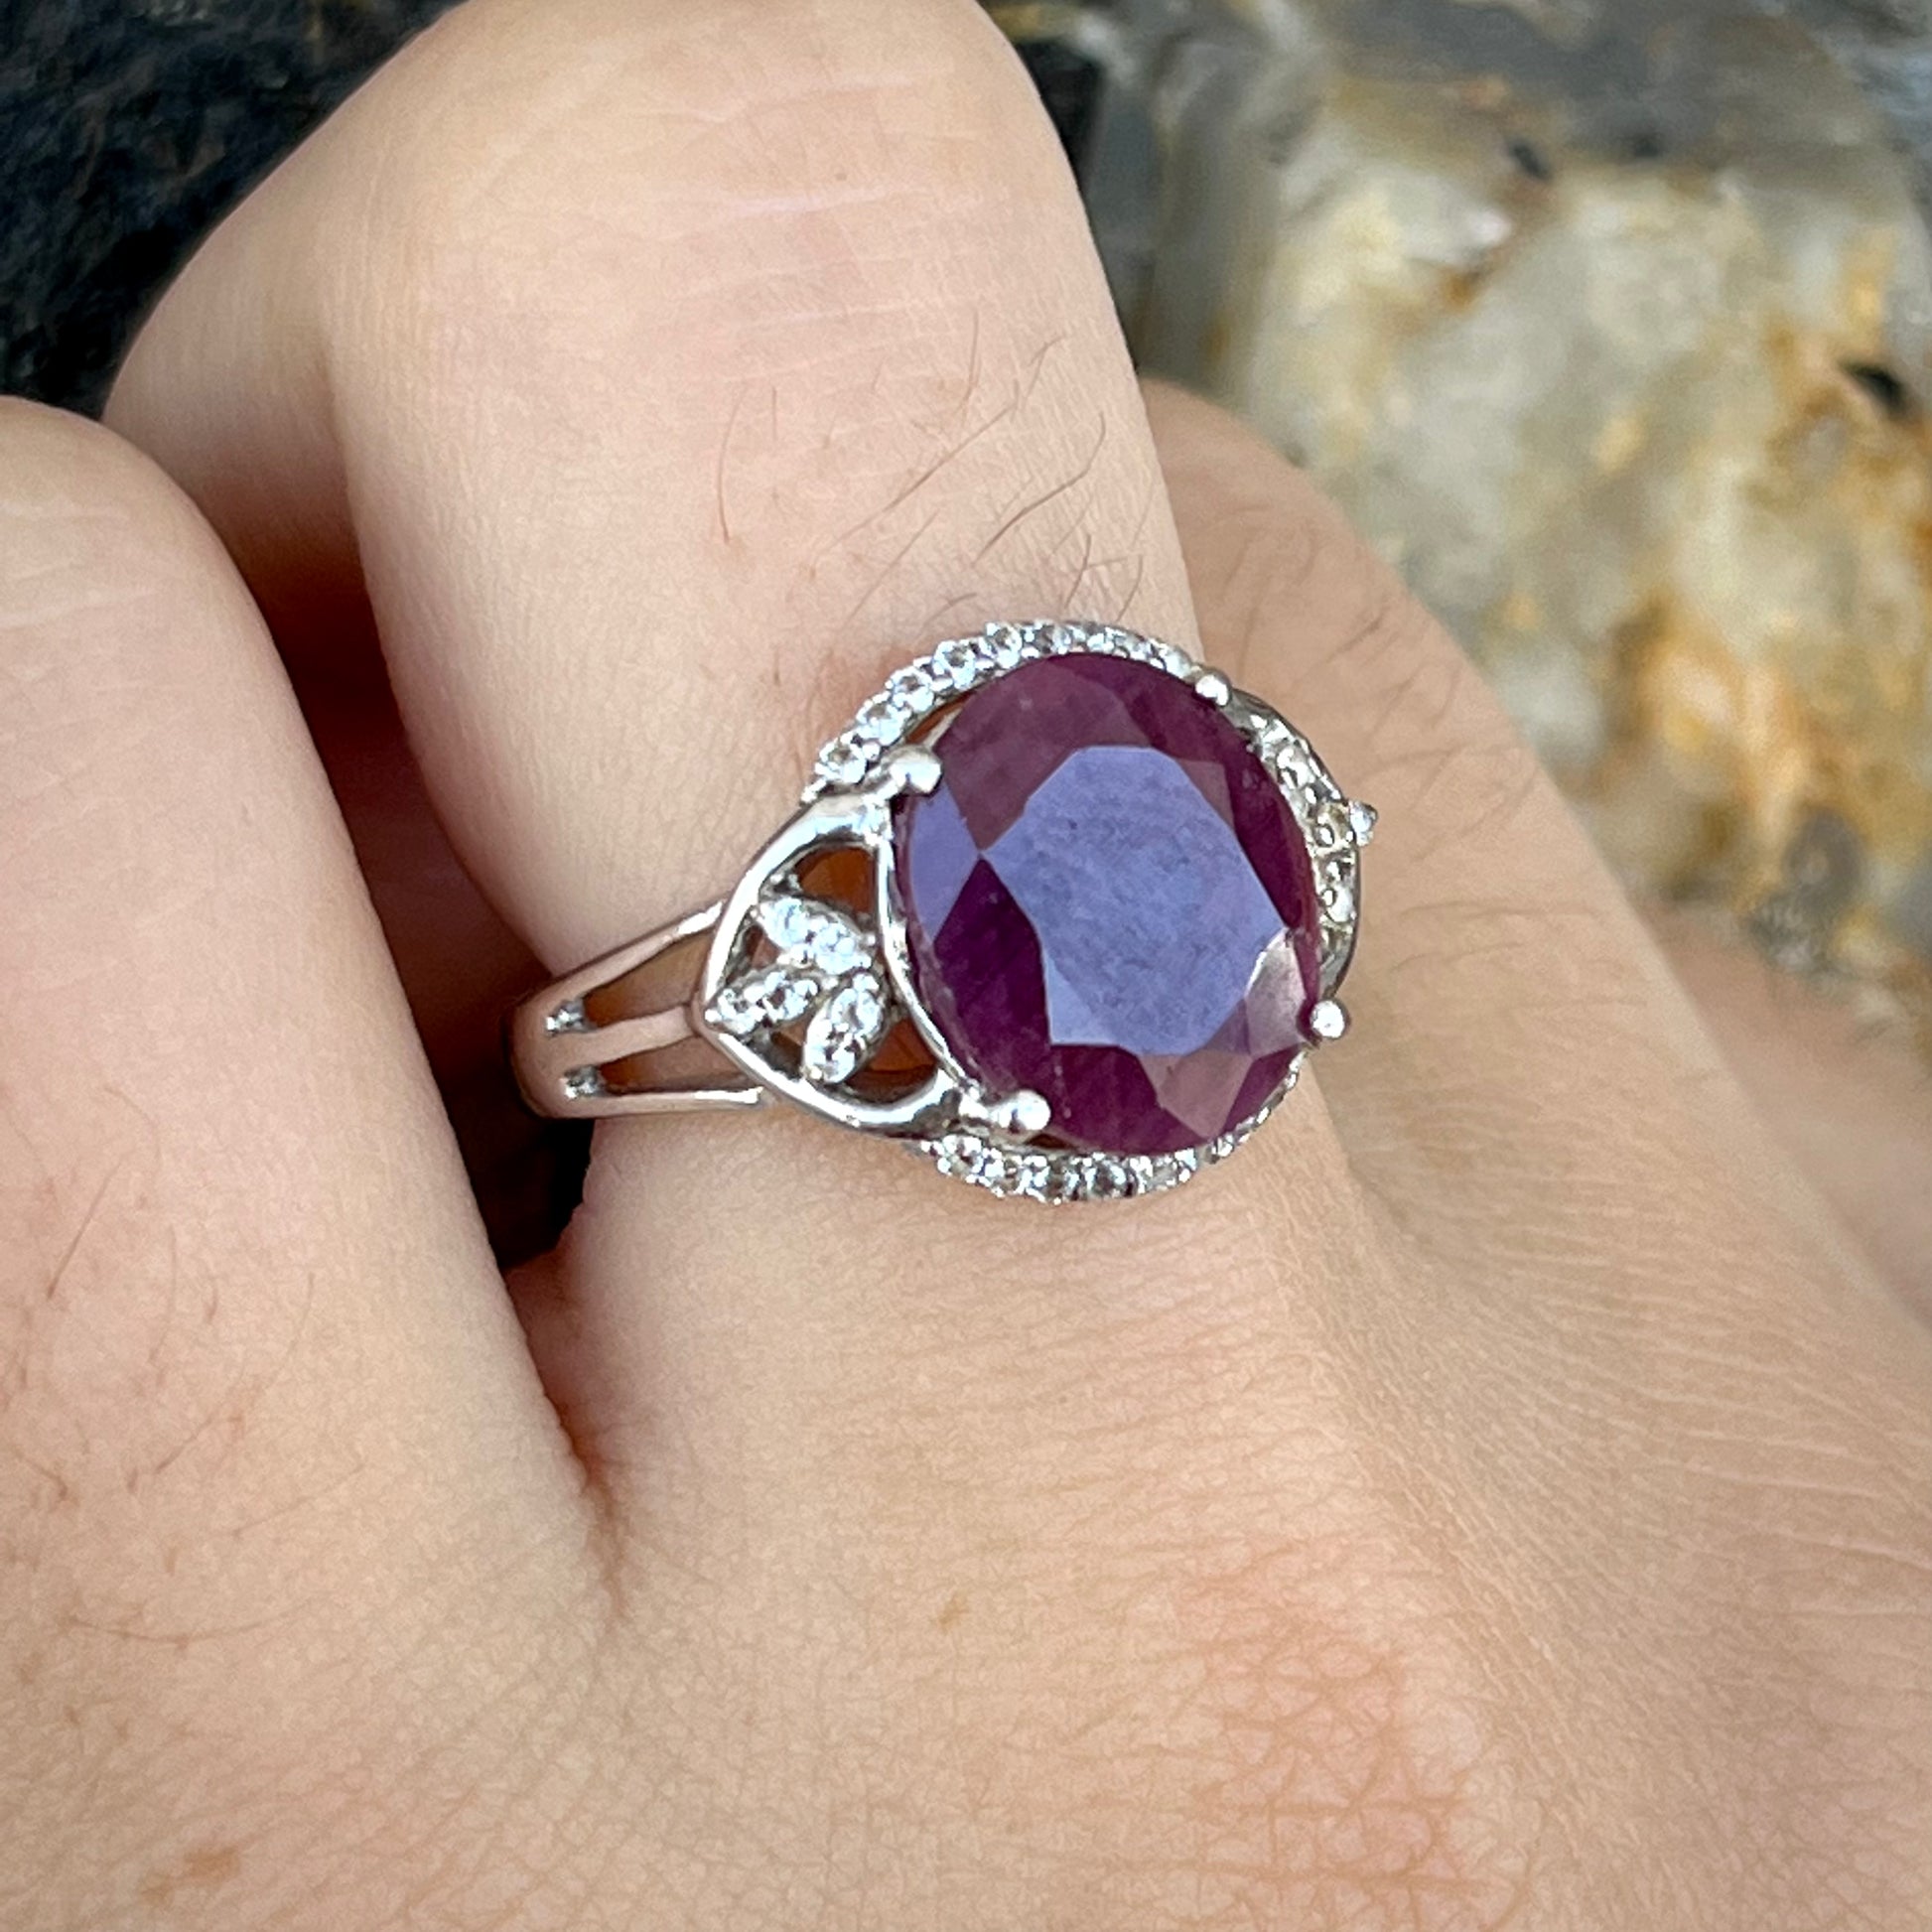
column 503, row 126
column 43, row 450
column 71, row 491
column 101, row 559
column 1291, row 1717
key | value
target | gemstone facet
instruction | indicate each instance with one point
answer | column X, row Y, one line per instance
column 1108, row 900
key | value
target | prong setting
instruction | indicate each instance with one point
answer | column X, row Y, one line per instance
column 1024, row 1115
column 1328, row 1020
column 911, row 767
column 1004, row 1142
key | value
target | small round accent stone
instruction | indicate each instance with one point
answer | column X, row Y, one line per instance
column 1329, row 823
column 880, row 722
column 843, row 761
column 1031, row 1174
column 912, row 688
column 1108, row 900
column 1006, row 645
column 957, row 663
column 964, row 1155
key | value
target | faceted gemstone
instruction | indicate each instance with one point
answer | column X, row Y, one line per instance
column 773, row 995
column 843, row 1030
column 1108, row 900
column 819, row 937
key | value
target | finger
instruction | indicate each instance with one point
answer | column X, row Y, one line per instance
column 256, row 1385
column 1848, row 1095
column 697, row 508
column 1625, row 1297
column 1514, row 1019
column 459, row 966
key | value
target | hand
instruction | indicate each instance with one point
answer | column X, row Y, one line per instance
column 1500, row 1496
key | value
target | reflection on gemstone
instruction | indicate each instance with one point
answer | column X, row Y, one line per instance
column 1108, row 900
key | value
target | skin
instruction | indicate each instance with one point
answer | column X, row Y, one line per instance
column 1502, row 1496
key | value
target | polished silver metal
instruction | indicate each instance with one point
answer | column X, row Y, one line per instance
column 775, row 959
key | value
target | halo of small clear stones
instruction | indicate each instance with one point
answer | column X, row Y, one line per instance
column 1059, row 1175
column 1334, row 828
column 949, row 671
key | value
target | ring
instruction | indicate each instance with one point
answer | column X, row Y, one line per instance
column 1061, row 909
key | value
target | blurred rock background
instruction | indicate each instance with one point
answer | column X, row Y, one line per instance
column 1609, row 321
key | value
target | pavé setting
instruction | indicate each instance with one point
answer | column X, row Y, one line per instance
column 1060, row 909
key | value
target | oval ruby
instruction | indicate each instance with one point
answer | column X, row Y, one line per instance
column 1108, row 900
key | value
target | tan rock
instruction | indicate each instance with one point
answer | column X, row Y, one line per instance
column 1645, row 429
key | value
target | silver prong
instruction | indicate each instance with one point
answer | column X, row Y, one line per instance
column 1328, row 1020
column 1213, row 686
column 1025, row 1113
column 1361, row 820
column 911, row 767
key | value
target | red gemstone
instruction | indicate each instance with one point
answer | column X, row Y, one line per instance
column 1108, row 900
